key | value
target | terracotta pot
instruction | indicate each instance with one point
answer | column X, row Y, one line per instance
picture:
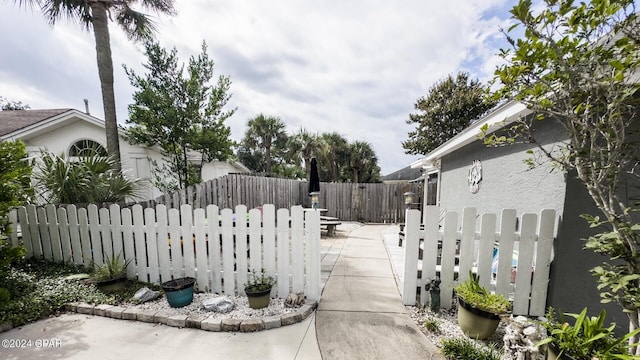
column 476, row 323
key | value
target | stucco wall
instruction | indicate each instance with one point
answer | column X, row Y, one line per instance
column 507, row 182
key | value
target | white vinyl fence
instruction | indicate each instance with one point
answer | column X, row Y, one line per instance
column 217, row 247
column 513, row 260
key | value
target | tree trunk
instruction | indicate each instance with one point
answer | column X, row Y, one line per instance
column 100, row 23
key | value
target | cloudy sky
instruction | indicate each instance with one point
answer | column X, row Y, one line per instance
column 355, row 67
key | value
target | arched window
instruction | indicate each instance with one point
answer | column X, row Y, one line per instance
column 87, row 148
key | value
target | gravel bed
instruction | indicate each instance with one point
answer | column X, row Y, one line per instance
column 241, row 310
column 448, row 326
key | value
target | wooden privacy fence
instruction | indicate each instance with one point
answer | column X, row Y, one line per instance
column 217, row 247
column 378, row 203
column 511, row 262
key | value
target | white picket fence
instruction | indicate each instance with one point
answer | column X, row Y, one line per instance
column 163, row 244
column 450, row 251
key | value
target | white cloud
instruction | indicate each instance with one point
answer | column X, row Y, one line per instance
column 355, row 67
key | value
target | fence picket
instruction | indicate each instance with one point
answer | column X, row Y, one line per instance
column 129, row 242
column 430, row 246
column 74, row 234
column 215, row 263
column 116, row 230
column 140, row 243
column 467, row 243
column 13, row 223
column 447, row 267
column 34, row 232
column 105, row 234
column 255, row 239
column 312, row 219
column 26, row 231
column 485, row 248
column 97, row 251
column 525, row 264
column 540, row 281
column 54, row 232
column 282, row 247
column 297, row 249
column 227, row 252
column 269, row 239
column 242, row 262
column 152, row 244
column 505, row 251
column 202, row 275
column 85, row 237
column 43, row 229
column 175, row 246
column 65, row 239
column 163, row 243
column 186, row 217
column 412, row 242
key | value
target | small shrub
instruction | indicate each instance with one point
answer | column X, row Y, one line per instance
column 433, row 325
column 259, row 283
column 465, row 349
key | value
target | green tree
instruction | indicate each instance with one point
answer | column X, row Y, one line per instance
column 87, row 179
column 15, row 176
column 95, row 14
column 266, row 134
column 363, row 163
column 576, row 65
column 449, row 107
column 182, row 111
column 334, row 156
column 301, row 147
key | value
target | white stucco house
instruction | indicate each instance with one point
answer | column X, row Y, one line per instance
column 68, row 131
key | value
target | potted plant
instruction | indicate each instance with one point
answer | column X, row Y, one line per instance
column 587, row 338
column 112, row 275
column 258, row 289
column 479, row 310
column 179, row 291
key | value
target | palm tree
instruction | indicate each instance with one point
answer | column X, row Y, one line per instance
column 301, row 147
column 89, row 179
column 334, row 155
column 267, row 133
column 96, row 14
column 363, row 161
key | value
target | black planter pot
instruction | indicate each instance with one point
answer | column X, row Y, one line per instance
column 476, row 323
column 553, row 351
column 179, row 291
column 112, row 285
column 258, row 299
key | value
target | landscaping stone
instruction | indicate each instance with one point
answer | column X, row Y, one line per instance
column 177, row 320
column 290, row 318
column 219, row 304
column 101, row 310
column 115, row 312
column 252, row 325
column 305, row 310
column 146, row 316
column 84, row 308
column 145, row 294
column 211, row 324
column 71, row 307
column 130, row 314
column 231, row 324
column 194, row 320
column 160, row 317
column 272, row 322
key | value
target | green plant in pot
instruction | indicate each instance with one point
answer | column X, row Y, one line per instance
column 112, row 275
column 479, row 310
column 258, row 289
column 588, row 338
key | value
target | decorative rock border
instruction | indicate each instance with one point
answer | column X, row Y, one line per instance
column 195, row 321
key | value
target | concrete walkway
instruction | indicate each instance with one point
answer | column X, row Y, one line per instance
column 361, row 315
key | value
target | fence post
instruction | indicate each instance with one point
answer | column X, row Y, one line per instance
column 312, row 224
column 412, row 243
